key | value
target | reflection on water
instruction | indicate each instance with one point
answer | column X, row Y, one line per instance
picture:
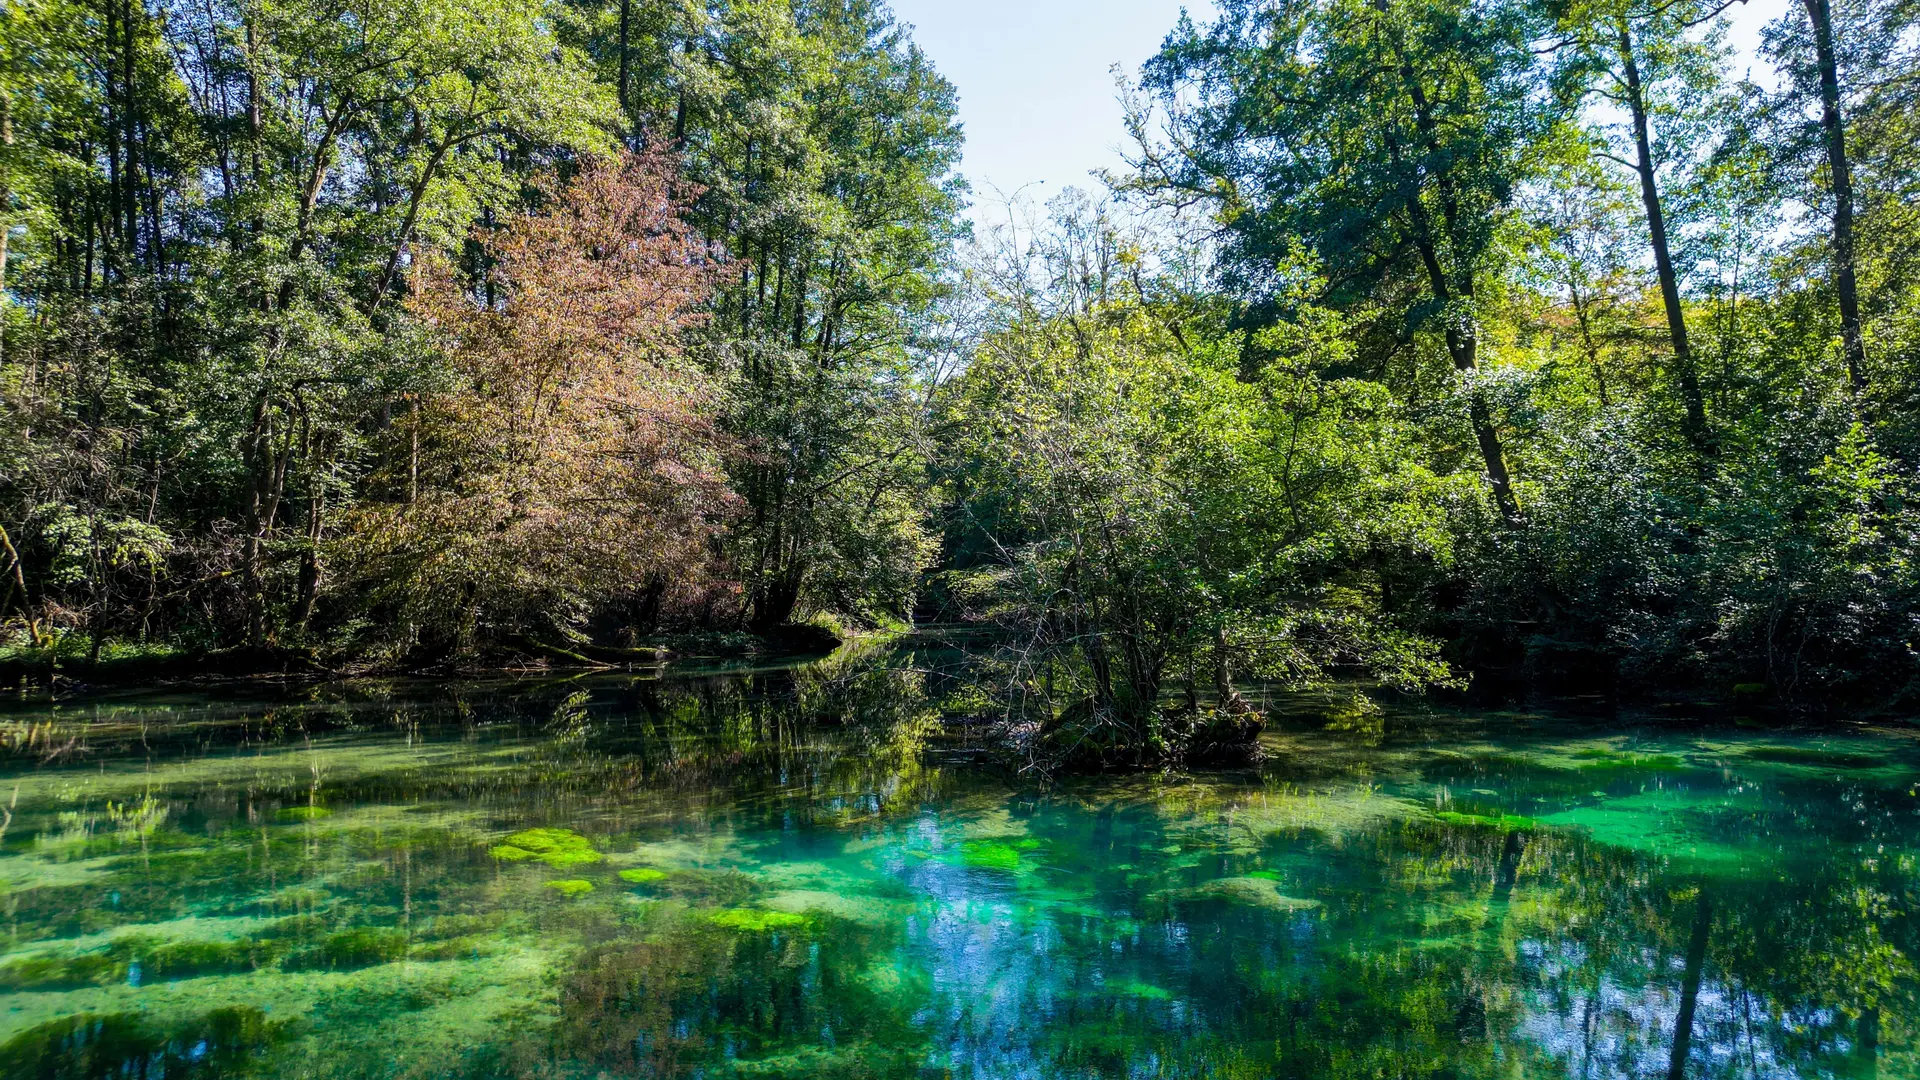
column 776, row 874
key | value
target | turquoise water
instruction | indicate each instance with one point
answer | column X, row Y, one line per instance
column 793, row 874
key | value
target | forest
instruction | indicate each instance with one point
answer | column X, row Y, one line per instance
column 1424, row 344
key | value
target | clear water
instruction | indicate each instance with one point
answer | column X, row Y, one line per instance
column 790, row 874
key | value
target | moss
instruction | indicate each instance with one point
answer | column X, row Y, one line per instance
column 755, row 920
column 993, row 854
column 571, row 887
column 643, row 875
column 303, row 813
column 558, row 848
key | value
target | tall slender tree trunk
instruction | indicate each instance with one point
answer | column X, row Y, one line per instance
column 130, row 173
column 1820, row 12
column 626, row 105
column 1690, row 989
column 1685, row 369
column 1463, row 337
column 6, row 206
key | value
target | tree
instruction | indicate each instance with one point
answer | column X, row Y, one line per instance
column 1144, row 517
column 1642, row 59
column 571, row 457
column 1389, row 138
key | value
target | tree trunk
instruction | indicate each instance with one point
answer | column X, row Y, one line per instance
column 414, row 198
column 20, row 582
column 1834, row 125
column 626, row 106
column 1463, row 346
column 250, row 551
column 6, row 203
column 310, row 560
column 1866, row 1045
column 1690, row 989
column 1683, row 362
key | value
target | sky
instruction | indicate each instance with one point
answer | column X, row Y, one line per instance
column 1037, row 97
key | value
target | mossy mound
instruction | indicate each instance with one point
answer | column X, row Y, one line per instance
column 571, row 887
column 756, row 920
column 302, row 813
column 558, row 848
column 1000, row 854
column 643, row 875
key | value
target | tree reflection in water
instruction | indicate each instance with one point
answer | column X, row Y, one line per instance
column 767, row 873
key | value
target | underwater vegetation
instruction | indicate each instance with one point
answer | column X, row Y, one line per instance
column 714, row 889
column 558, row 848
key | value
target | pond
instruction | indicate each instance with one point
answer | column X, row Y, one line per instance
column 792, row 873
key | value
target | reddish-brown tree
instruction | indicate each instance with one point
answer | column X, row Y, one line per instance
column 573, row 455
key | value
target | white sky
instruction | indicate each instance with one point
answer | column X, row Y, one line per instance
column 1036, row 95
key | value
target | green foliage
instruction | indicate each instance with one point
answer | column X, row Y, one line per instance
column 1146, row 513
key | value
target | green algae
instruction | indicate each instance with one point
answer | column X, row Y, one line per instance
column 756, row 920
column 558, row 848
column 571, row 886
column 643, row 875
column 990, row 855
column 302, row 813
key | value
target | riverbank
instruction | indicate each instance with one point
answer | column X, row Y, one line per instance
column 125, row 665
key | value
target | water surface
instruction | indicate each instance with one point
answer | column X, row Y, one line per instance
column 778, row 874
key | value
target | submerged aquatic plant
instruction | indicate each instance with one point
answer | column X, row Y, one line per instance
column 991, row 854
column 755, row 920
column 1488, row 821
column 571, row 887
column 558, row 848
column 643, row 875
